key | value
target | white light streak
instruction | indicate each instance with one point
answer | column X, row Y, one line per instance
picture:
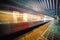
column 50, row 4
column 14, row 16
column 25, row 17
column 45, row 4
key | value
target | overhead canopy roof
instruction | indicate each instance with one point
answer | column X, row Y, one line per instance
column 47, row 7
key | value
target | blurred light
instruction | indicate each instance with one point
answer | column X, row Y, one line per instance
column 48, row 18
column 14, row 16
column 25, row 17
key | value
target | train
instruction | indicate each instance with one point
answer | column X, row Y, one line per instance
column 13, row 21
